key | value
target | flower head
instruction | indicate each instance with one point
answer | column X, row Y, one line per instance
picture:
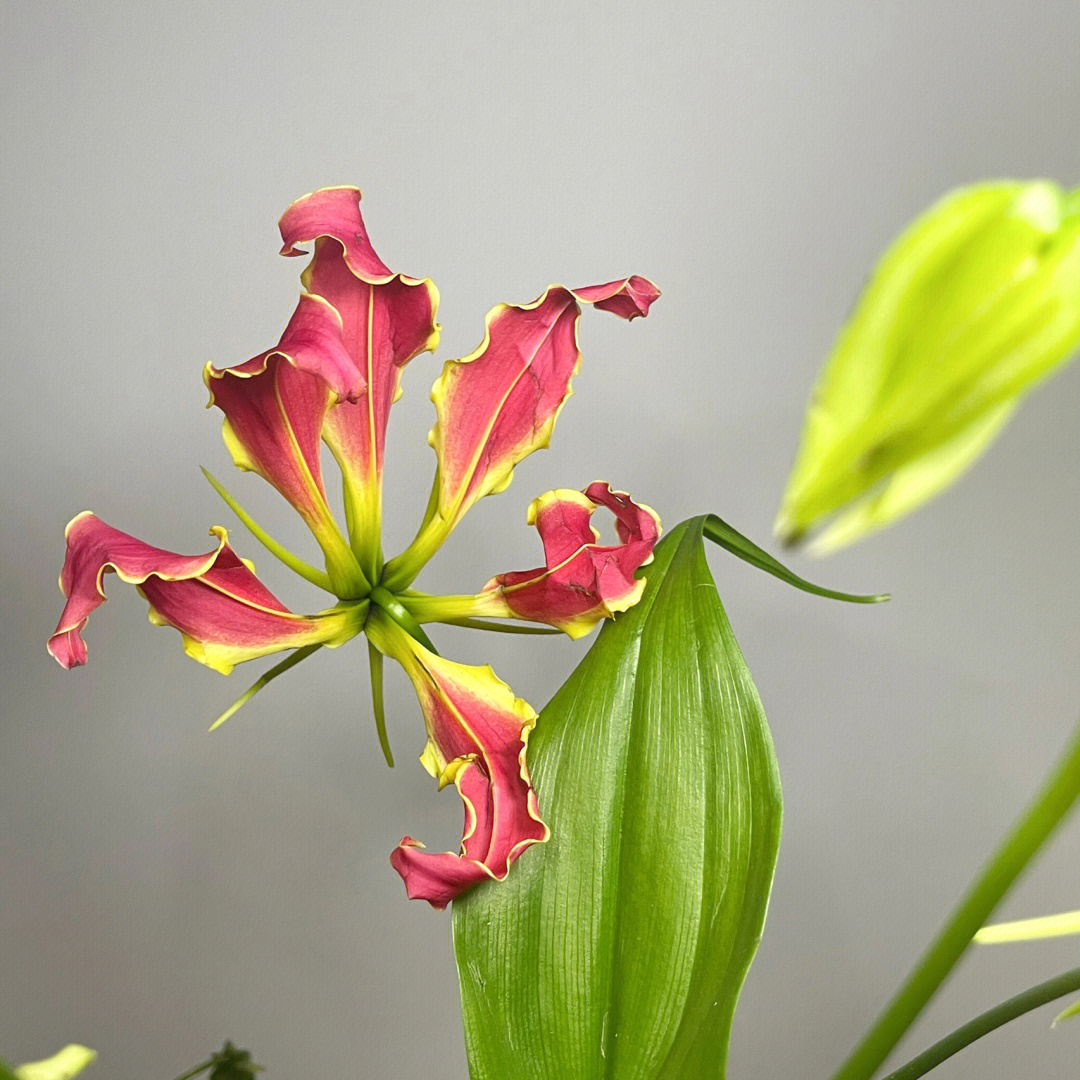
column 332, row 377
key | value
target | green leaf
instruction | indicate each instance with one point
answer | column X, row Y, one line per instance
column 971, row 307
column 228, row 1063
column 618, row 949
column 232, row 1063
column 720, row 532
column 62, row 1066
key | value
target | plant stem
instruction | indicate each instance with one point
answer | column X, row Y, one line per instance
column 1027, row 836
column 988, row 1021
column 393, row 607
column 1048, row 926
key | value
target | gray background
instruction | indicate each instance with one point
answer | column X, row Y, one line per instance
column 163, row 888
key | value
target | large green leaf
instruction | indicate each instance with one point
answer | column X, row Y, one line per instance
column 618, row 949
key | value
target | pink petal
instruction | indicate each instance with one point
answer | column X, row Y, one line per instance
column 477, row 736
column 582, row 581
column 225, row 614
column 438, row 877
column 628, row 298
column 275, row 403
column 335, row 212
column 387, row 319
column 498, row 405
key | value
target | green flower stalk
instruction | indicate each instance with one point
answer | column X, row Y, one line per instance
column 972, row 307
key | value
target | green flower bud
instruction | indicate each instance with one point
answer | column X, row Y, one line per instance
column 232, row 1063
column 974, row 304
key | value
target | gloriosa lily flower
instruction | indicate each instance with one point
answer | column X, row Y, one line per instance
column 332, row 378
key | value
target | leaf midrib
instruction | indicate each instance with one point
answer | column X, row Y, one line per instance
column 641, row 614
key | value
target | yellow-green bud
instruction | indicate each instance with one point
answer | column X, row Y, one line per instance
column 974, row 304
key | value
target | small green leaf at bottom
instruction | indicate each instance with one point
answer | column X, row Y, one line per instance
column 68, row 1063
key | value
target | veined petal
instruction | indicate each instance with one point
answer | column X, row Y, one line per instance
column 387, row 319
column 499, row 404
column 275, row 405
column 223, row 612
column 477, row 736
column 581, row 582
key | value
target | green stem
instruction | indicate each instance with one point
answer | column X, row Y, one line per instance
column 1027, row 836
column 445, row 609
column 375, row 666
column 982, row 1025
column 198, row 1069
column 293, row 562
column 401, row 571
column 463, row 611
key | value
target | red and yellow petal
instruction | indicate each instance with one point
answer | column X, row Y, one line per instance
column 387, row 319
column 275, row 405
column 628, row 298
column 477, row 737
column 581, row 582
column 223, row 612
column 499, row 404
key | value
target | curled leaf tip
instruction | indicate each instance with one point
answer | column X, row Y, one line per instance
column 724, row 535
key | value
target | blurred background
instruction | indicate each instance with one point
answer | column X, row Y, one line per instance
column 164, row 888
